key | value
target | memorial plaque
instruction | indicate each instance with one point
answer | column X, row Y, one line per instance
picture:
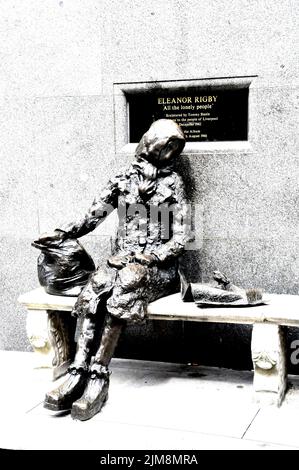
column 205, row 115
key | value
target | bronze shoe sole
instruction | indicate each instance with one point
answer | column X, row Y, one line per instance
column 85, row 414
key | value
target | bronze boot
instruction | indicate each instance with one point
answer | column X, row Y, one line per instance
column 73, row 387
column 62, row 397
column 95, row 394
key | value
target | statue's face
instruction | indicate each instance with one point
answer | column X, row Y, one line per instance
column 161, row 143
column 160, row 152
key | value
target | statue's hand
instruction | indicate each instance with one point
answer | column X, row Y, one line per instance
column 119, row 262
column 147, row 260
column 49, row 237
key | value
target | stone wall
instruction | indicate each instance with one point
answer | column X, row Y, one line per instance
column 59, row 61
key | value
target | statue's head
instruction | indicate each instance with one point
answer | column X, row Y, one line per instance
column 162, row 143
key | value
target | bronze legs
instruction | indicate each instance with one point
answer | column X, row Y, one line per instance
column 111, row 333
column 89, row 383
column 96, row 392
column 85, row 342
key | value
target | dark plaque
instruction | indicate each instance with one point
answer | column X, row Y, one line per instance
column 205, row 115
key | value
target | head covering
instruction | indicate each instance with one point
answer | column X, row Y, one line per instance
column 156, row 152
column 161, row 143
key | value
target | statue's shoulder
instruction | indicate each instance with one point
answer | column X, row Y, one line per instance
column 118, row 182
column 177, row 178
column 118, row 177
column 179, row 187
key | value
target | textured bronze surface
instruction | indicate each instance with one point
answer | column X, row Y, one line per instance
column 220, row 292
column 143, row 266
column 63, row 265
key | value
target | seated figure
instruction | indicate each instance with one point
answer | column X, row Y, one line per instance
column 143, row 268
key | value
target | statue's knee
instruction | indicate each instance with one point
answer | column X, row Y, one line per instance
column 132, row 276
column 102, row 279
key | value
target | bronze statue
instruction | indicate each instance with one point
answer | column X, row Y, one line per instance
column 143, row 268
column 221, row 292
column 63, row 266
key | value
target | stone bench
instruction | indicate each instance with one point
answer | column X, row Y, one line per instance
column 50, row 330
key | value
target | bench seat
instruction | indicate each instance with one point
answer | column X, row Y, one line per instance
column 50, row 333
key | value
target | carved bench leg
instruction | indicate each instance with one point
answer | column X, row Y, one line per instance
column 38, row 335
column 268, row 357
column 51, row 335
column 61, row 330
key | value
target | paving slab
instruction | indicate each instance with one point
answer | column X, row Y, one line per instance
column 151, row 405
